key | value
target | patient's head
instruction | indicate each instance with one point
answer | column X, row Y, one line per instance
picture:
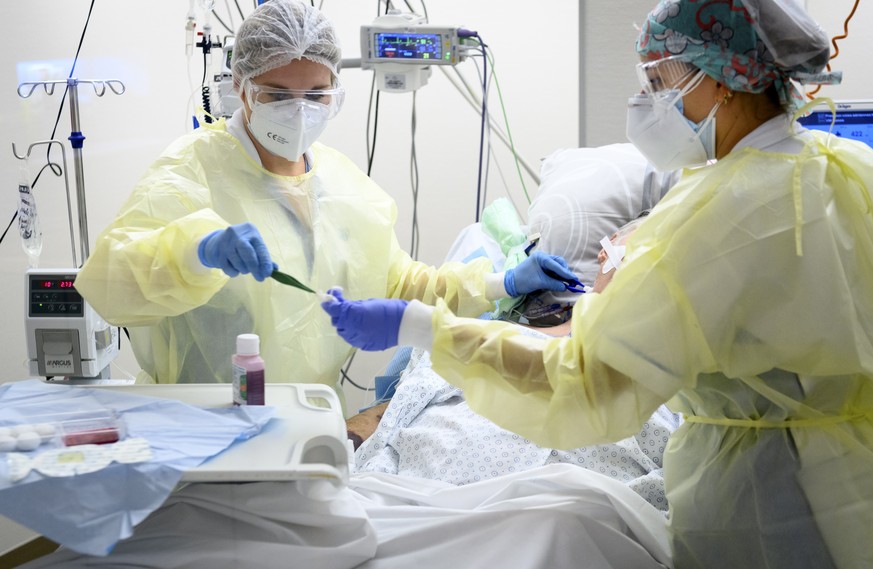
column 612, row 253
column 542, row 310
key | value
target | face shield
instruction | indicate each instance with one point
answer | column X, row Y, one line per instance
column 665, row 75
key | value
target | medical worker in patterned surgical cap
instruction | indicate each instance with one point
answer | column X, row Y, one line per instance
column 243, row 196
column 745, row 299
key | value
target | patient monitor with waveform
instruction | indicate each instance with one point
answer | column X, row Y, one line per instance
column 401, row 48
column 66, row 338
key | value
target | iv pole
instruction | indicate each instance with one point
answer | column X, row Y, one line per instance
column 76, row 138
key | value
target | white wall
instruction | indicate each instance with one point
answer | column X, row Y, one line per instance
column 550, row 103
column 607, row 58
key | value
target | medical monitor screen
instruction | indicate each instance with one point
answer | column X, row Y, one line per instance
column 854, row 120
column 409, row 46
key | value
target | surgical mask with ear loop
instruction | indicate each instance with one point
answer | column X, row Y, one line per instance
column 286, row 123
column 658, row 128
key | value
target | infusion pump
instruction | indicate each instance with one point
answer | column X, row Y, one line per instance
column 65, row 336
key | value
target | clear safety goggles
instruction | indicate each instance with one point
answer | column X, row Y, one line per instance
column 332, row 99
column 664, row 75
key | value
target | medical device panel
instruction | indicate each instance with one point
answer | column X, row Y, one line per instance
column 401, row 47
column 65, row 336
column 431, row 46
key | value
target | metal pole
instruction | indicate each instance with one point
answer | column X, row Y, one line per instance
column 76, row 141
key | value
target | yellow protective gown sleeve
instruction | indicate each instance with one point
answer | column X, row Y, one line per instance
column 331, row 226
column 747, row 298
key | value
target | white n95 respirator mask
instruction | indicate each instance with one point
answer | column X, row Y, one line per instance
column 662, row 133
column 288, row 128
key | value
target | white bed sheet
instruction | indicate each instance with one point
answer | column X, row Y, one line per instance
column 554, row 516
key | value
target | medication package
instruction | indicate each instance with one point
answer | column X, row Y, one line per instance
column 69, row 443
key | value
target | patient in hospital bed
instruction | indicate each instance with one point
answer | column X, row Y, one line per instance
column 427, row 430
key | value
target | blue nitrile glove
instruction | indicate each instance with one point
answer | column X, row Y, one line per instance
column 237, row 249
column 533, row 274
column 370, row 325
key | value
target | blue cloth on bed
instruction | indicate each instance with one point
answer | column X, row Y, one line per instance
column 90, row 512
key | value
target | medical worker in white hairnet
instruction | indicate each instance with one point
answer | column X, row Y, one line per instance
column 256, row 192
column 746, row 299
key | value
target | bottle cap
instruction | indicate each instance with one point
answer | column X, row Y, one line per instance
column 247, row 344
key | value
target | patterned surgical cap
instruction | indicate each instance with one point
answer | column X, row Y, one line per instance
column 748, row 45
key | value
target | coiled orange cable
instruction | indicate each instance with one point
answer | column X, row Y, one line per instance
column 812, row 93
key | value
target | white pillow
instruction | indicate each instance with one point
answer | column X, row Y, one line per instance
column 586, row 194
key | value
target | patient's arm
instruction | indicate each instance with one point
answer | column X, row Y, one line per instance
column 359, row 427
column 559, row 330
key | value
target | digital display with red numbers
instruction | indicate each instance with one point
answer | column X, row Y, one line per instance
column 58, row 284
column 54, row 296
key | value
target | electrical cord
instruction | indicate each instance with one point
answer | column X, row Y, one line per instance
column 508, row 130
column 230, row 14
column 345, row 377
column 844, row 35
column 374, row 113
column 11, row 221
column 467, row 93
column 489, row 152
column 204, row 90
column 371, row 148
column 483, row 111
column 413, row 177
column 32, row 185
column 241, row 15
column 220, row 21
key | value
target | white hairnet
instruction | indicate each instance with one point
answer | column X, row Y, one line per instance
column 277, row 33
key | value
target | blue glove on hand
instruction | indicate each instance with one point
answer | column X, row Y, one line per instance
column 237, row 249
column 538, row 272
column 370, row 325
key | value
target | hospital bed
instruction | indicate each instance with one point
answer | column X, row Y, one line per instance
column 558, row 515
column 555, row 515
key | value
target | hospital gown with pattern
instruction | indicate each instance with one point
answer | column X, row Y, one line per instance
column 428, row 431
